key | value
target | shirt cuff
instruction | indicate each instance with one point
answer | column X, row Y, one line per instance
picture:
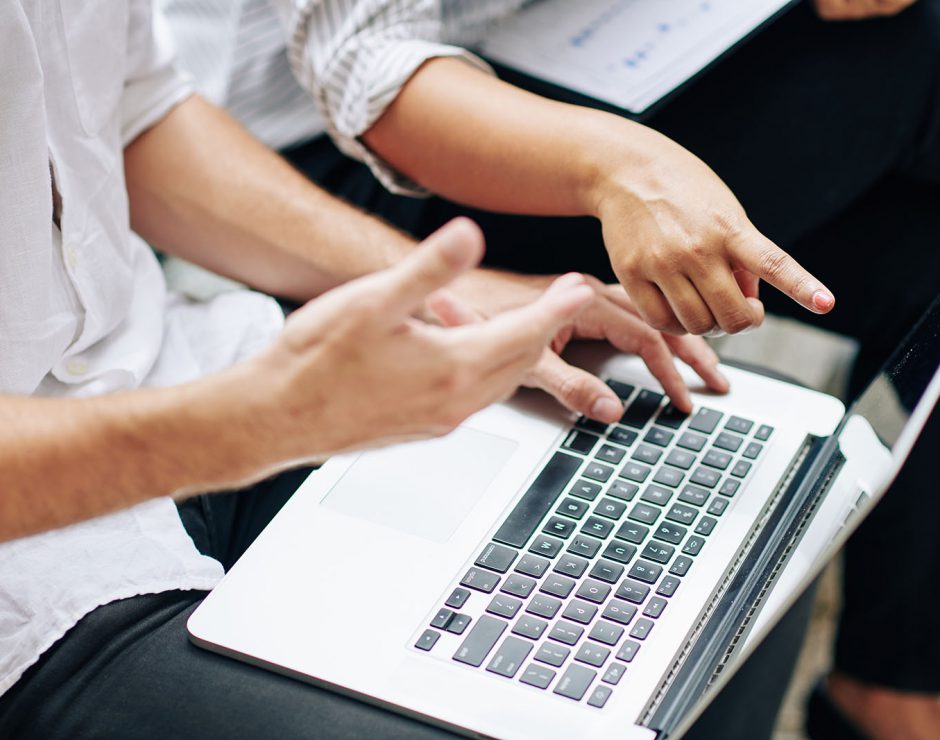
column 149, row 99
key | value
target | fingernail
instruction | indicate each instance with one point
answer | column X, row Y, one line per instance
column 606, row 409
column 823, row 300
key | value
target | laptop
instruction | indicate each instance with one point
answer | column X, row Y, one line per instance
column 533, row 575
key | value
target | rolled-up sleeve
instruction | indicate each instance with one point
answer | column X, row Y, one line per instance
column 153, row 85
column 355, row 56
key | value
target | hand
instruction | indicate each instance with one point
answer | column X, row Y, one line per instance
column 611, row 317
column 856, row 10
column 354, row 369
column 682, row 246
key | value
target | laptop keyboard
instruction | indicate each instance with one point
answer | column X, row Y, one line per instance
column 577, row 575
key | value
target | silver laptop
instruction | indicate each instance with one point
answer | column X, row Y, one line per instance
column 535, row 576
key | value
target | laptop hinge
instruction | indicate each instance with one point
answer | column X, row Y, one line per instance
column 727, row 618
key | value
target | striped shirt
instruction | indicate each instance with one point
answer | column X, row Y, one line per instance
column 350, row 59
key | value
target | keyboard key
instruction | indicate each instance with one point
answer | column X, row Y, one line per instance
column 546, row 546
column 705, row 525
column 592, row 425
column 597, row 471
column 635, row 472
column 642, row 409
column 705, row 420
column 623, row 390
column 671, row 417
column 605, row 570
column 610, row 508
column 480, row 641
column 740, row 469
column 728, row 441
column 642, row 629
column 630, row 532
column 592, row 654
column 594, row 591
column 619, row 552
column 633, row 591
column 717, row 507
column 427, row 640
column 623, row 490
column 694, row 495
column 692, row 441
column 628, row 651
column 496, row 557
column 530, row 627
column 614, row 673
column 481, row 580
column 739, row 425
column 645, row 571
column 682, row 514
column 533, row 565
column 575, row 682
column 656, row 495
column 680, row 566
column 585, row 489
column 598, row 527
column 659, row 437
column 655, row 607
column 658, row 552
column 559, row 527
column 644, row 513
column 566, row 632
column 729, row 487
column 585, row 546
column 543, row 606
column 573, row 508
column 537, row 500
column 607, row 633
column 619, row 611
column 552, row 654
column 580, row 611
column 715, row 459
column 504, row 606
column 647, row 454
column 668, row 586
column 538, row 676
column 610, row 454
column 680, row 459
column 693, row 546
column 705, row 477
column 669, row 477
column 457, row 598
column 580, row 442
column 763, row 433
column 752, row 450
column 508, row 659
column 622, row 436
column 668, row 532
column 557, row 585
column 571, row 565
column 458, row 624
column 599, row 696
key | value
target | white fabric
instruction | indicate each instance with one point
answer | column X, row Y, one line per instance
column 85, row 311
column 352, row 58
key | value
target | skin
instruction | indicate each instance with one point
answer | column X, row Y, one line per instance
column 856, row 10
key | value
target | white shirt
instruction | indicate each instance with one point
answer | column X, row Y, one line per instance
column 351, row 57
column 85, row 311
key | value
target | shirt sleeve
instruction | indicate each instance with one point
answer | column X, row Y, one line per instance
column 153, row 86
column 355, row 56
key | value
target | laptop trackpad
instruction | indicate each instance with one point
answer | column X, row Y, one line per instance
column 423, row 488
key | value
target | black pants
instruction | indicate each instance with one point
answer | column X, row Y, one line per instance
column 829, row 133
column 128, row 671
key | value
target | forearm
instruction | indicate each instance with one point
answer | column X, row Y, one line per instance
column 203, row 189
column 66, row 460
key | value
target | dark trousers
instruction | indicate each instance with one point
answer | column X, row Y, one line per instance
column 829, row 134
column 128, row 671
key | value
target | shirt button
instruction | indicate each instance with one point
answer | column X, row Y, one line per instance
column 77, row 366
column 71, row 256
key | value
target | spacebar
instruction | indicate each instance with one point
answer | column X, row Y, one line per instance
column 536, row 502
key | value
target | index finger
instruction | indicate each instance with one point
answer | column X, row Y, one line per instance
column 756, row 253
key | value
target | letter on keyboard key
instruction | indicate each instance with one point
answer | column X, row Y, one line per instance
column 585, row 489
column 672, row 533
column 481, row 639
column 532, row 565
column 633, row 591
column 509, row 657
column 580, row 611
column 619, row 611
column 518, row 586
column 619, row 553
column 592, row 590
column 580, row 442
column 645, row 571
column 607, row 571
column 575, row 682
column 557, row 585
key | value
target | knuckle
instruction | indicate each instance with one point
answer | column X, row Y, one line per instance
column 774, row 264
column 572, row 391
